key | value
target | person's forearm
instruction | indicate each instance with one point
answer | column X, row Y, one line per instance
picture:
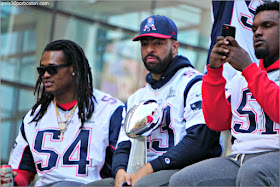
column 265, row 91
column 143, row 171
column 216, row 108
column 199, row 139
column 121, row 155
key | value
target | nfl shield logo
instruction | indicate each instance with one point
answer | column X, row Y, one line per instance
column 149, row 25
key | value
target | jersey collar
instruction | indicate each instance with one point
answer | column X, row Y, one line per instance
column 273, row 66
column 67, row 106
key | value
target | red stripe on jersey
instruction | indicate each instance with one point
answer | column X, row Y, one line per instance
column 112, row 147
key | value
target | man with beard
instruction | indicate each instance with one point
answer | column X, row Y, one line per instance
column 182, row 137
column 250, row 108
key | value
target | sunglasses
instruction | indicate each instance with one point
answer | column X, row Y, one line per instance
column 52, row 70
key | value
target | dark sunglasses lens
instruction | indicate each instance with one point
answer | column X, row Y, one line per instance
column 52, row 70
column 41, row 70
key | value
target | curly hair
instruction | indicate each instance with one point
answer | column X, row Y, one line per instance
column 74, row 55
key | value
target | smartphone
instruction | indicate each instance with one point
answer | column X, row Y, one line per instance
column 228, row 30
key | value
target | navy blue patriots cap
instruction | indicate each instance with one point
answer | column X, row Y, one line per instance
column 158, row 27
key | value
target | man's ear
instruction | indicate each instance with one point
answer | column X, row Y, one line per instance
column 175, row 46
column 72, row 69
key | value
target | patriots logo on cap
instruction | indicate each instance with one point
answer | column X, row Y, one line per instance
column 150, row 25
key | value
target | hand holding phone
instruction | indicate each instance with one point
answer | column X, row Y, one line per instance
column 228, row 30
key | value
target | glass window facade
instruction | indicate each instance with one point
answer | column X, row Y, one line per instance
column 104, row 29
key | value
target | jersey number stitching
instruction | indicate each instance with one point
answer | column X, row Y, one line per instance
column 75, row 155
column 165, row 127
column 251, row 116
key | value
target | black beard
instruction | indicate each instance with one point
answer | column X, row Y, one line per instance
column 262, row 53
column 162, row 65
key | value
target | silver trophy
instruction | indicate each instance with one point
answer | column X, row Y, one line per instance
column 139, row 123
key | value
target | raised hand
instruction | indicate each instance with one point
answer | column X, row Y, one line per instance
column 237, row 57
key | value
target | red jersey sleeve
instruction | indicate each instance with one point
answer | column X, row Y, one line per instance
column 23, row 178
column 264, row 90
column 215, row 106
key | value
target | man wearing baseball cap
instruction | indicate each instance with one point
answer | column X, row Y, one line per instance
column 182, row 137
column 165, row 28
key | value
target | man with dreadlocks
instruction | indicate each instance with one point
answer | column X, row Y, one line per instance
column 68, row 137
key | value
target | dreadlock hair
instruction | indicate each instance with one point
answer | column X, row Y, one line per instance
column 75, row 56
column 268, row 6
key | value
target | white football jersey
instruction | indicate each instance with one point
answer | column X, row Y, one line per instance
column 253, row 129
column 179, row 101
column 80, row 156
